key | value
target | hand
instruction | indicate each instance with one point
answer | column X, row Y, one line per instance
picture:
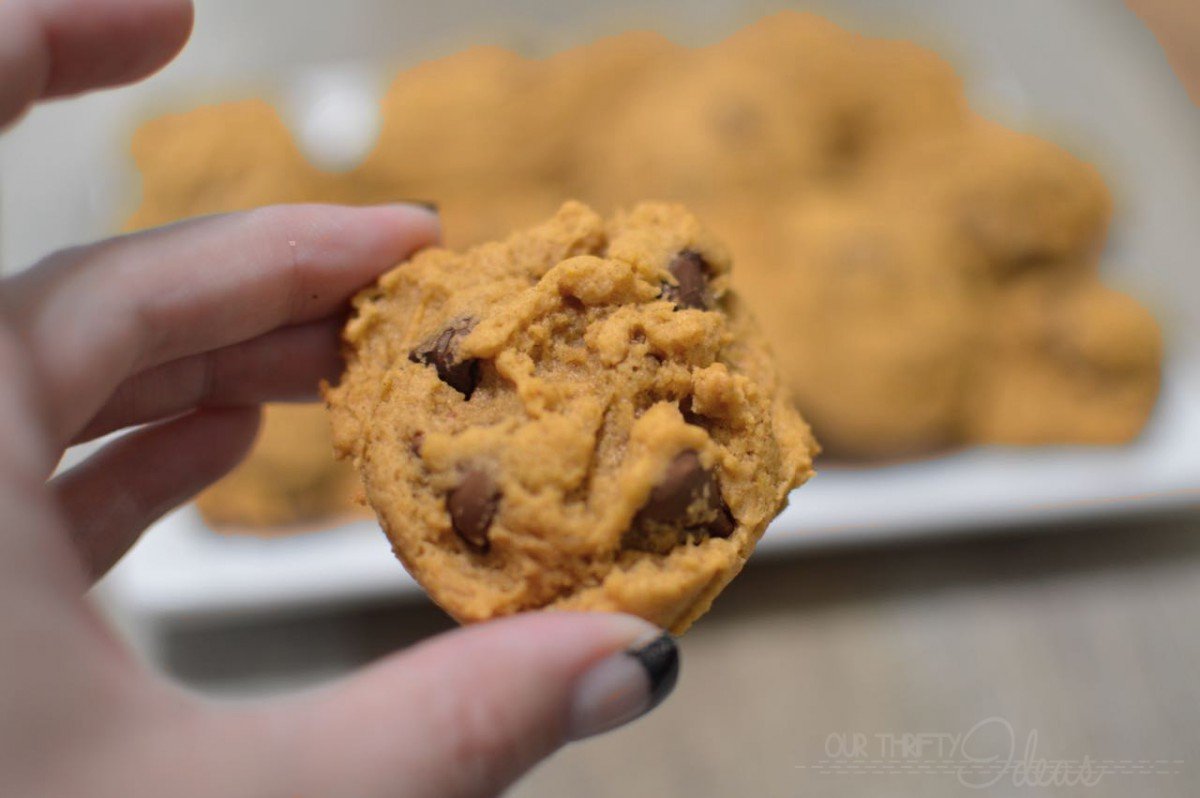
column 1176, row 24
column 185, row 330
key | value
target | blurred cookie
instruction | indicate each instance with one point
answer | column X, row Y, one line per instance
column 1065, row 362
column 866, row 96
column 470, row 217
column 707, row 126
column 290, row 478
column 1024, row 202
column 874, row 314
column 218, row 158
column 581, row 416
column 485, row 118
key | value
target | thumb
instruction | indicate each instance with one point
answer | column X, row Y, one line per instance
column 467, row 713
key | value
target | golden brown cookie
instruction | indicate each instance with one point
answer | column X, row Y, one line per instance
column 707, row 126
column 874, row 313
column 484, row 117
column 470, row 217
column 1024, row 202
column 1065, row 362
column 290, row 478
column 582, row 416
column 218, row 158
column 864, row 96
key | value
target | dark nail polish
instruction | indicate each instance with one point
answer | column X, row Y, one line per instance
column 622, row 687
column 660, row 659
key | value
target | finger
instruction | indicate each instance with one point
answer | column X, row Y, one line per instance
column 285, row 365
column 33, row 551
column 469, row 712
column 51, row 48
column 95, row 316
column 110, row 498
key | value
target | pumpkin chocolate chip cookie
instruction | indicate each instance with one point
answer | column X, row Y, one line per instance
column 582, row 416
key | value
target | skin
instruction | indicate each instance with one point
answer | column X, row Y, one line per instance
column 187, row 329
column 1176, row 24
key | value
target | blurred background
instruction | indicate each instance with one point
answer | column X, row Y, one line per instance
column 968, row 228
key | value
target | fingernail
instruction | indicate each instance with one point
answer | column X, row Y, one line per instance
column 432, row 207
column 623, row 687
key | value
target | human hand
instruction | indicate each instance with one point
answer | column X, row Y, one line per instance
column 1176, row 24
column 185, row 330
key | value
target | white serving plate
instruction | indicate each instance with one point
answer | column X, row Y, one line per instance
column 1086, row 71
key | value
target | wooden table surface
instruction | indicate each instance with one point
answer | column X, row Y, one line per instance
column 1087, row 638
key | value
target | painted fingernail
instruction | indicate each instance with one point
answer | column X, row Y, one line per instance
column 432, row 207
column 623, row 687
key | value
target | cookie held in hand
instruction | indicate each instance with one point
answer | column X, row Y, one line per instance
column 580, row 417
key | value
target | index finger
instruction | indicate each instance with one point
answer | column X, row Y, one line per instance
column 52, row 48
column 98, row 314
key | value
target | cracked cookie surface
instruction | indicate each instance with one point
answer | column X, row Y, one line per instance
column 582, row 416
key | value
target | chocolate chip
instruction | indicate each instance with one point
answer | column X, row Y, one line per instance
column 684, row 484
column 441, row 351
column 472, row 506
column 690, row 416
column 687, row 501
column 690, row 271
column 724, row 524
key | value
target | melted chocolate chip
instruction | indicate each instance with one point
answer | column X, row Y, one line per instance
column 685, row 483
column 724, row 524
column 691, row 274
column 472, row 506
column 690, row 416
column 441, row 351
column 687, row 501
